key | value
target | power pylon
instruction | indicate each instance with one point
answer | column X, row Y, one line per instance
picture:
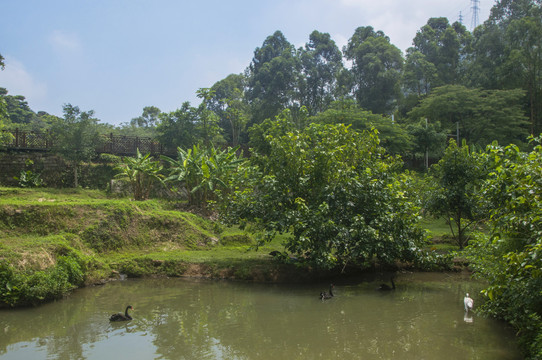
column 475, row 10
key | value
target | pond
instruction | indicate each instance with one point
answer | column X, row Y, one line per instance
column 423, row 318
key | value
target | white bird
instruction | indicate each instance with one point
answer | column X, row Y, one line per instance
column 469, row 303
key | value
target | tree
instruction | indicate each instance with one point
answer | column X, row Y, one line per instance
column 456, row 180
column 429, row 139
column 76, row 137
column 482, row 115
column 393, row 136
column 4, row 137
column 335, row 191
column 178, row 128
column 376, row 69
column 321, row 62
column 273, row 77
column 419, row 75
column 141, row 172
column 230, row 105
column 506, row 53
column 17, row 108
column 148, row 119
column 442, row 45
column 208, row 121
column 509, row 257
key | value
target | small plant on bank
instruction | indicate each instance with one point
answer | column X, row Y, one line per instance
column 28, row 178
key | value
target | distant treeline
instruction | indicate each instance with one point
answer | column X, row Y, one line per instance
column 480, row 86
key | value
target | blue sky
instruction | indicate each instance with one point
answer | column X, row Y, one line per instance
column 117, row 56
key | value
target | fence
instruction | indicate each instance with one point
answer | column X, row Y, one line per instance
column 112, row 144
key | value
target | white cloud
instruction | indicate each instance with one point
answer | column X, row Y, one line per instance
column 18, row 81
column 63, row 41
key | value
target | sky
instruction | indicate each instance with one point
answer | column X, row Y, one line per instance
column 117, row 56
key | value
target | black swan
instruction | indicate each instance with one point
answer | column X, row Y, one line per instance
column 386, row 287
column 121, row 317
column 324, row 295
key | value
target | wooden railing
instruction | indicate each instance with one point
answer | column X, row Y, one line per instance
column 112, row 144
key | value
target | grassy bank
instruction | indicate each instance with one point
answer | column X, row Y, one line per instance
column 52, row 241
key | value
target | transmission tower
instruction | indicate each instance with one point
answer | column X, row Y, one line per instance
column 475, row 10
column 461, row 18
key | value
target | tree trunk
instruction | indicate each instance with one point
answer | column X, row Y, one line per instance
column 75, row 176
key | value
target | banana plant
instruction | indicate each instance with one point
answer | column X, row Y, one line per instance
column 142, row 172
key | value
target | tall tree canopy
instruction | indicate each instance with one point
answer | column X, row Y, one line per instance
column 443, row 45
column 507, row 54
column 273, row 78
column 376, row 69
column 322, row 64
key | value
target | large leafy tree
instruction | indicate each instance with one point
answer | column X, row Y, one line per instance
column 393, row 136
column 419, row 74
column 442, row 45
column 456, row 180
column 376, row 69
column 76, row 137
column 482, row 115
column 321, row 61
column 335, row 191
column 229, row 104
column 178, row 128
column 509, row 258
column 273, row 77
column 148, row 119
column 18, row 111
column 507, row 53
column 207, row 126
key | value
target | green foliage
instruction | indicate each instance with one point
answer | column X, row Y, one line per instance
column 376, row 68
column 429, row 139
column 178, row 128
column 273, row 77
column 28, row 178
column 483, row 115
column 456, row 180
column 76, row 137
column 510, row 258
column 229, row 104
column 393, row 136
column 203, row 172
column 31, row 287
column 142, row 172
column 442, row 46
column 321, row 62
column 335, row 191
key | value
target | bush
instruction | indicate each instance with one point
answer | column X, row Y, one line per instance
column 33, row 287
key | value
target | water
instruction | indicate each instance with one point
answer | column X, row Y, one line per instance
column 203, row 319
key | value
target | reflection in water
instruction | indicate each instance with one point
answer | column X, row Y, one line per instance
column 189, row 319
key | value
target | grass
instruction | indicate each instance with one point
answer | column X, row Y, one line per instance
column 106, row 235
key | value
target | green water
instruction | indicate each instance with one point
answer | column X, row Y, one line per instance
column 204, row 319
